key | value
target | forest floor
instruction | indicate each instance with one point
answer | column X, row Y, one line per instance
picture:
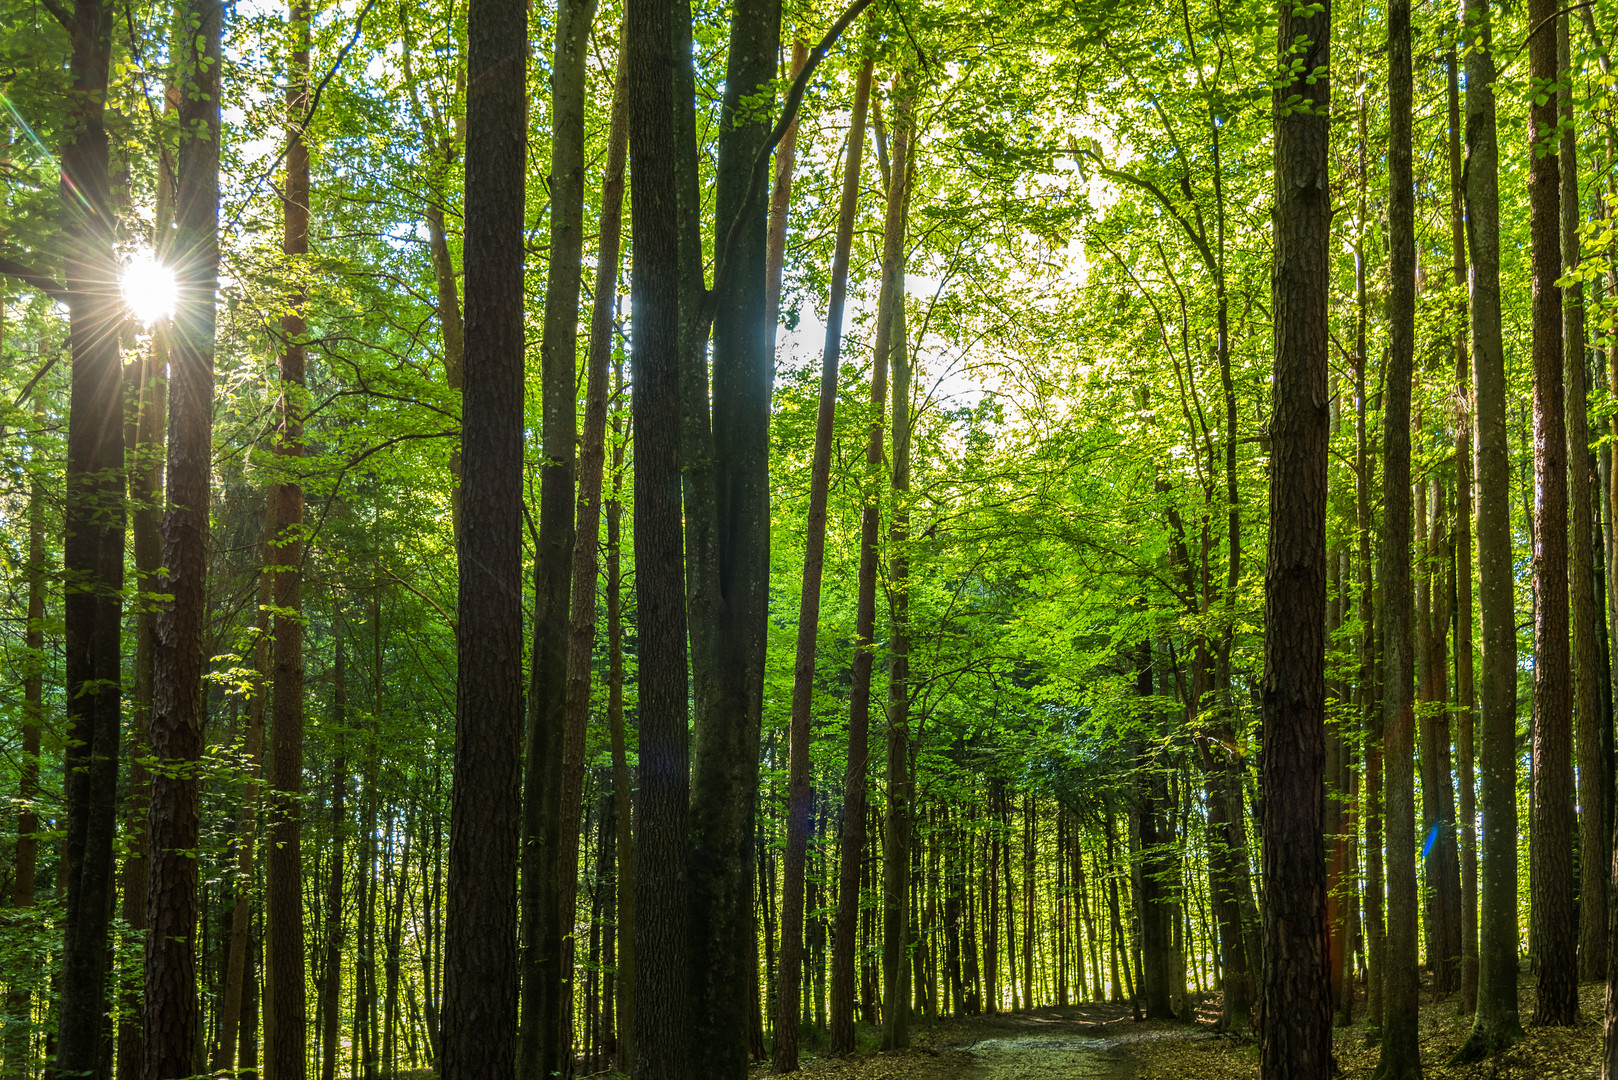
column 1102, row 1042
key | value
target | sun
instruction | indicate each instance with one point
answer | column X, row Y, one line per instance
column 149, row 288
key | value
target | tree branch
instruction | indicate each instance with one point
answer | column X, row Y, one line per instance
column 47, row 285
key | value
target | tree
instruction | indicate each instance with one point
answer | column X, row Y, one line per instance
column 1551, row 855
column 1495, row 1025
column 1296, row 1032
column 480, row 968
column 1400, row 1053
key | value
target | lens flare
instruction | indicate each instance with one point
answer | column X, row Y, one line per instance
column 149, row 288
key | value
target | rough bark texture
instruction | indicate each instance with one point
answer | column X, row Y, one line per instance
column 799, row 794
column 480, row 946
column 1400, row 1055
column 1594, row 865
column 1295, row 1035
column 178, row 704
column 661, row 1030
column 553, row 769
column 285, row 1002
column 331, row 986
column 92, row 551
column 1555, row 924
column 1496, row 1023
column 730, row 582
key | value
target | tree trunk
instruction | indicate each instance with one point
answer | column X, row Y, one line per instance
column 624, row 983
column 1551, row 831
column 480, row 946
column 1594, row 863
column 178, row 703
column 331, row 990
column 660, row 1031
column 1296, row 1035
column 285, row 1057
column 554, row 766
column 799, row 795
column 1496, row 1024
column 729, row 583
column 92, row 551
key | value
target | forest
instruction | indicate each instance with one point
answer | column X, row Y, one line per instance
column 915, row 539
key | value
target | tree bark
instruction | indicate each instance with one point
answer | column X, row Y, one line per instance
column 93, row 549
column 729, row 589
column 1496, row 1024
column 331, row 990
column 800, row 734
column 624, row 983
column 178, row 704
column 480, row 947
column 554, row 767
column 1551, row 832
column 660, row 1033
column 1295, row 1040
column 284, row 1056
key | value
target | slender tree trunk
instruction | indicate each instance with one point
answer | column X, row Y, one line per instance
column 1551, row 832
column 1296, row 1035
column 624, row 983
column 853, row 839
column 285, row 1057
column 554, row 767
column 897, row 854
column 786, row 154
column 241, row 913
column 660, row 887
column 93, row 550
column 1465, row 696
column 1496, row 1023
column 480, row 947
column 178, row 702
column 1594, row 863
column 799, row 794
column 331, row 990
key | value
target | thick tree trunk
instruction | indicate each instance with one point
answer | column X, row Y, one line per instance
column 92, row 551
column 1551, row 832
column 1495, row 1024
column 1296, row 1035
column 554, row 766
column 729, row 589
column 1594, row 862
column 480, row 946
column 799, row 795
column 660, row 888
column 285, row 1056
column 178, row 704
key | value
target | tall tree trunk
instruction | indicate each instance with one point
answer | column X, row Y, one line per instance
column 15, row 1046
column 896, row 857
column 800, row 734
column 1594, row 863
column 553, row 769
column 1465, row 696
column 285, row 1057
column 786, row 155
column 660, row 1032
column 1551, row 832
column 852, row 849
column 480, row 946
column 1296, row 1036
column 241, row 913
column 331, row 990
column 178, row 703
column 93, row 549
column 625, row 981
column 729, row 590
column 1496, row 1023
